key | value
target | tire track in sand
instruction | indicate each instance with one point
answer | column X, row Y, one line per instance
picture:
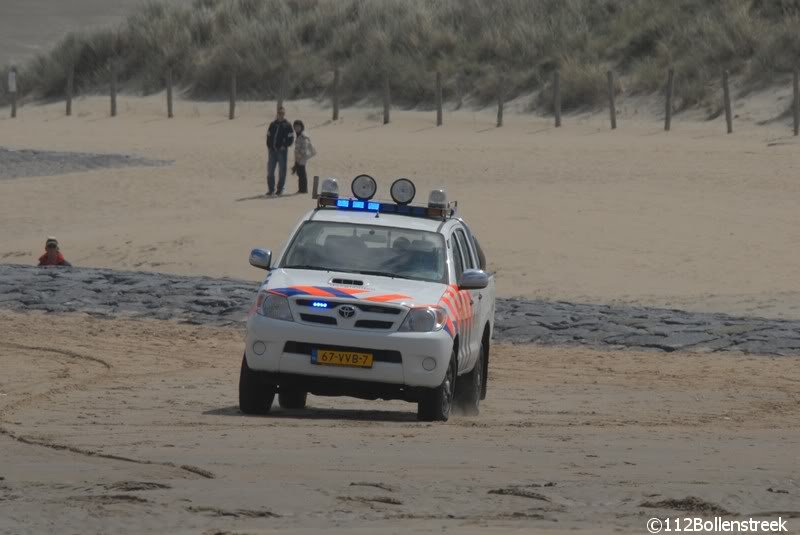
column 53, row 445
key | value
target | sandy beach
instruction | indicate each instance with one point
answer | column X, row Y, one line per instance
column 130, row 426
column 644, row 352
column 692, row 219
column 133, row 427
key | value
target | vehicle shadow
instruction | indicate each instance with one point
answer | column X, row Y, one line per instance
column 312, row 413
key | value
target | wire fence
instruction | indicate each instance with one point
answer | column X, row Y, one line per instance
column 13, row 84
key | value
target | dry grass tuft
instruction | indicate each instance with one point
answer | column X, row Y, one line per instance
column 290, row 46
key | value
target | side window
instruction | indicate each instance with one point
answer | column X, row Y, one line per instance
column 470, row 261
column 479, row 251
column 457, row 259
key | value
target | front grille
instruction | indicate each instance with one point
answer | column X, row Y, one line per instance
column 363, row 307
column 368, row 315
column 374, row 324
column 379, row 355
column 314, row 318
column 377, row 309
column 310, row 303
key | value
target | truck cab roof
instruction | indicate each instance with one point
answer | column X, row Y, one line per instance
column 380, row 219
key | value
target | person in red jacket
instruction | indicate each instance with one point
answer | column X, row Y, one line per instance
column 52, row 255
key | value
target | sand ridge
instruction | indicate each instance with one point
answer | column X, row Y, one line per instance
column 226, row 302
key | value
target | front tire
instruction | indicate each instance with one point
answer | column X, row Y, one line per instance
column 470, row 387
column 292, row 399
column 255, row 397
column 435, row 404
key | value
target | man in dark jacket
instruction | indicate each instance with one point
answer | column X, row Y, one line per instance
column 279, row 138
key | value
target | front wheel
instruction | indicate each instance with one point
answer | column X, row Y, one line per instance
column 435, row 404
column 255, row 397
column 470, row 387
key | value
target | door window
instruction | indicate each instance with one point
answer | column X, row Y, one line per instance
column 458, row 260
column 470, row 262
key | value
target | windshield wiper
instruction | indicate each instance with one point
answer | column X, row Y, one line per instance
column 383, row 274
column 317, row 268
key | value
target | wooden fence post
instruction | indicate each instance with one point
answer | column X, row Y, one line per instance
column 612, row 107
column 232, row 98
column 387, row 99
column 12, row 88
column 169, row 93
column 557, row 97
column 335, row 94
column 796, row 101
column 727, row 96
column 438, row 98
column 668, row 104
column 70, row 86
column 281, row 89
column 315, row 188
column 500, row 105
column 113, row 88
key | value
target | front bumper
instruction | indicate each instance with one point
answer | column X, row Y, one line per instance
column 280, row 347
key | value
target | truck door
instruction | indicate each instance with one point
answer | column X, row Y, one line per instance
column 469, row 301
column 455, row 301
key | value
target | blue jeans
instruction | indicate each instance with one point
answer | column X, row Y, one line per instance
column 276, row 157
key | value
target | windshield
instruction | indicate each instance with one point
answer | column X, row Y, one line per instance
column 368, row 249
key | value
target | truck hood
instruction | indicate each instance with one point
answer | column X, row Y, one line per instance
column 332, row 284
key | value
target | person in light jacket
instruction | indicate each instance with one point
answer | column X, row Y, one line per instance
column 303, row 151
column 279, row 139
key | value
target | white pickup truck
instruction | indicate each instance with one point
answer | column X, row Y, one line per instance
column 375, row 300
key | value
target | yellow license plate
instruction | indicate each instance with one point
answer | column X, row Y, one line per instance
column 341, row 358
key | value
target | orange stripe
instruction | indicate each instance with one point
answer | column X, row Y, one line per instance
column 450, row 307
column 313, row 291
column 351, row 291
column 451, row 326
column 450, row 291
column 387, row 297
column 462, row 304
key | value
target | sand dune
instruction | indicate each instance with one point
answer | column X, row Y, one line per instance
column 692, row 219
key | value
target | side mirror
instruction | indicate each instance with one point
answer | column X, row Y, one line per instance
column 473, row 279
column 261, row 258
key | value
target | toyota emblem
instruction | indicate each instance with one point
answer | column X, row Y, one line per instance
column 347, row 311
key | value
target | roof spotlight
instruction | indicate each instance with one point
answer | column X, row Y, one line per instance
column 403, row 191
column 329, row 188
column 364, row 187
column 437, row 199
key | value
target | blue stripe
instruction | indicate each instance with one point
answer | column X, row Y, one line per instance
column 334, row 291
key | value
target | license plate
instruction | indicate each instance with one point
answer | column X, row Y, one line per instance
column 341, row 358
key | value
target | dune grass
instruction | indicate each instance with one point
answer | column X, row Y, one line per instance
column 480, row 46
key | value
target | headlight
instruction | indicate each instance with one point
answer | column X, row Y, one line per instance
column 273, row 306
column 424, row 320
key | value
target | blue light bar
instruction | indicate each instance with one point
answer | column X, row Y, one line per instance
column 391, row 208
column 319, row 304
